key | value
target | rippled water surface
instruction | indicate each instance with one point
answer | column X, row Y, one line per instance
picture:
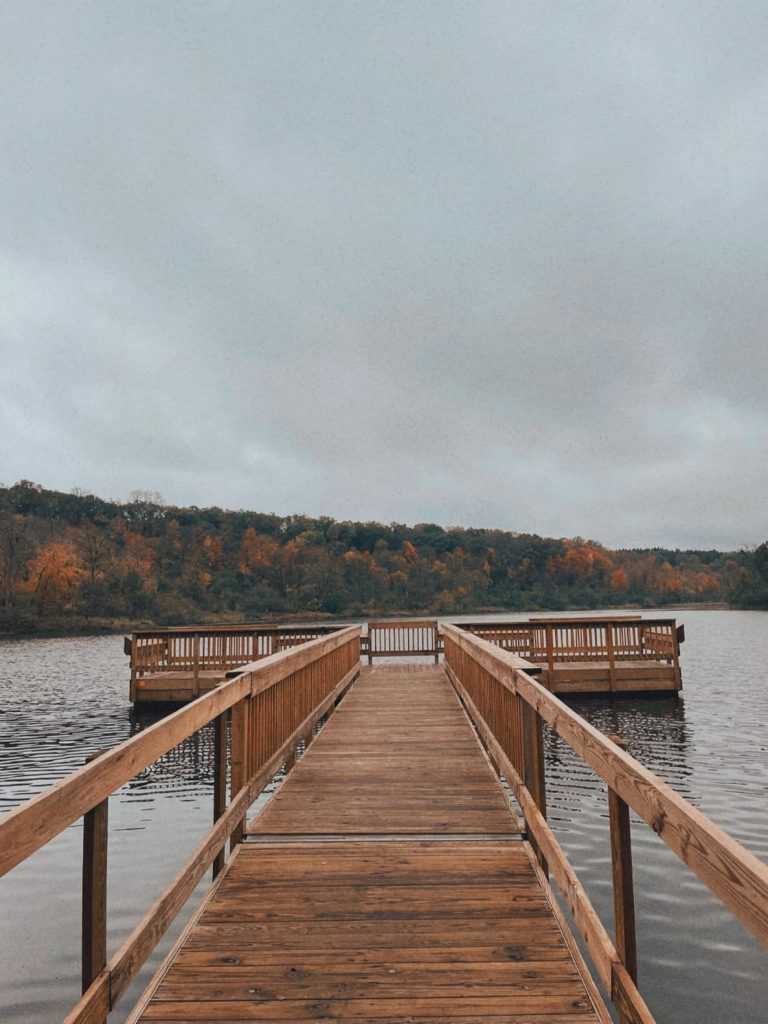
column 61, row 700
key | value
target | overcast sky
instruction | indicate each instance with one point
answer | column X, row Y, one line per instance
column 490, row 264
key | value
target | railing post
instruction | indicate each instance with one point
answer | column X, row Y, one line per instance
column 611, row 656
column 219, row 782
column 550, row 656
column 676, row 655
column 133, row 652
column 196, row 665
column 240, row 730
column 94, row 913
column 534, row 779
column 623, row 886
column 370, row 644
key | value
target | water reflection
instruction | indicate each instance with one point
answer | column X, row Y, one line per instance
column 186, row 770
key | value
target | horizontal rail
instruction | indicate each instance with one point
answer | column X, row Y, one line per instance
column 602, row 950
column 26, row 828
column 126, row 963
column 194, row 650
column 240, row 627
column 558, row 642
column 497, row 690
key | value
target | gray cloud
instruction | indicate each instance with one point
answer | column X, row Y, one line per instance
column 499, row 264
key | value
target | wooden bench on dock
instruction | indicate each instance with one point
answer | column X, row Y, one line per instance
column 390, row 878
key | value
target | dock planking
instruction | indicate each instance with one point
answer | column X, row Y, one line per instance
column 397, row 756
column 387, row 880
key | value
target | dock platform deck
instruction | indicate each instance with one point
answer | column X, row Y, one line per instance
column 387, row 880
column 624, row 654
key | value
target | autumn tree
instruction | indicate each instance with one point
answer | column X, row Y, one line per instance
column 52, row 575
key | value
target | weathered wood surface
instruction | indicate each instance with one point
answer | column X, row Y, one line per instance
column 375, row 931
column 398, row 756
column 596, row 677
column 726, row 867
column 621, row 654
column 310, row 921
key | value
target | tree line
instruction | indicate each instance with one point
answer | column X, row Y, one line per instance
column 75, row 559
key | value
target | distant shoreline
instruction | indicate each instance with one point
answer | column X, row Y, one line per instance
column 101, row 627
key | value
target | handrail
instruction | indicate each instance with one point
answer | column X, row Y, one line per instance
column 236, row 627
column 555, row 642
column 508, row 707
column 274, row 704
column 402, row 637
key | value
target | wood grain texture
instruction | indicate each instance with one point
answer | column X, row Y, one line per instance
column 431, row 938
column 726, row 867
column 398, row 756
column 385, row 929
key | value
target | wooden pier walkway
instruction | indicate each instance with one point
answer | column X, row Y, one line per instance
column 387, row 880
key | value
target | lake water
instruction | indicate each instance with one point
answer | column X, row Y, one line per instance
column 61, row 700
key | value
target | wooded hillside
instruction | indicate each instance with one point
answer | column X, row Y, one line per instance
column 75, row 559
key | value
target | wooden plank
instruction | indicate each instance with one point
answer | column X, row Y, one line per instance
column 384, row 755
column 361, row 965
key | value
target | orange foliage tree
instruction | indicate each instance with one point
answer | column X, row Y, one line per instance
column 52, row 575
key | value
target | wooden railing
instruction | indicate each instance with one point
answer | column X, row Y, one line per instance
column 549, row 642
column 388, row 639
column 274, row 704
column 509, row 709
column 203, row 648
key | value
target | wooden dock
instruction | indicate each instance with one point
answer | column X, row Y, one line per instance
column 387, row 880
column 401, row 872
column 620, row 654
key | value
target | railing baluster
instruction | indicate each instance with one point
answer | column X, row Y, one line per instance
column 94, row 911
column 623, row 885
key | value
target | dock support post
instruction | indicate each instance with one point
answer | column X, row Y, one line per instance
column 533, row 745
column 219, row 782
column 94, row 913
column 623, row 886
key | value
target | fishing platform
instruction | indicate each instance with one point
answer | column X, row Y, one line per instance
column 400, row 874
column 619, row 654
